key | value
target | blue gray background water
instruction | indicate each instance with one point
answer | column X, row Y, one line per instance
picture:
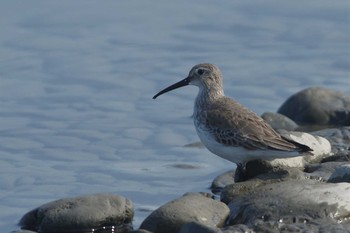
column 77, row 80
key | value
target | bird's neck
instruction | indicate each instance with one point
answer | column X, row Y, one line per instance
column 206, row 96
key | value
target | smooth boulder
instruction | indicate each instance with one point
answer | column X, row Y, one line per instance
column 192, row 207
column 318, row 106
column 304, row 204
column 279, row 121
column 83, row 212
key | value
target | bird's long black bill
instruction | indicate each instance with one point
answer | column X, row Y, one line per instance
column 182, row 83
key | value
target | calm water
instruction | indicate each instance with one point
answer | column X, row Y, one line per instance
column 77, row 79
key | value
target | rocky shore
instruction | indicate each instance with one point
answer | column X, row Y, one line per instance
column 310, row 194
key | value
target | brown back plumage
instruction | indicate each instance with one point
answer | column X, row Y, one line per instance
column 232, row 124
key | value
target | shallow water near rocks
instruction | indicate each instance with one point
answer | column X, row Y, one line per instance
column 77, row 81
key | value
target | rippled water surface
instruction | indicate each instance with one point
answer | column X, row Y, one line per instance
column 77, row 80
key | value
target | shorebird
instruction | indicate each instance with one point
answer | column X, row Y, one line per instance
column 227, row 128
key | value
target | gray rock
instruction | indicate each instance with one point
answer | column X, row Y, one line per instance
column 200, row 228
column 233, row 191
column 292, row 203
column 239, row 228
column 318, row 106
column 269, row 170
column 222, row 181
column 321, row 171
column 192, row 207
column 274, row 175
column 140, row 231
column 195, row 227
column 317, row 225
column 341, row 174
column 339, row 139
column 279, row 121
column 83, row 212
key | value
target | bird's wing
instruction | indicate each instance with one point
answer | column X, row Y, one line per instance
column 234, row 125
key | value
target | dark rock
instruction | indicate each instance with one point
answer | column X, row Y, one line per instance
column 192, row 207
column 270, row 170
column 256, row 167
column 239, row 228
column 337, row 158
column 279, row 121
column 341, row 174
column 289, row 204
column 83, row 212
column 233, row 191
column 318, row 106
column 321, row 171
column 274, row 175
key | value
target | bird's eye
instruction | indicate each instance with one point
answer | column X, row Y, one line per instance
column 200, row 71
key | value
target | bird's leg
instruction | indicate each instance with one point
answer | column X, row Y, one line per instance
column 240, row 172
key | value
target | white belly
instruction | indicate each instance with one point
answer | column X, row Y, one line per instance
column 238, row 154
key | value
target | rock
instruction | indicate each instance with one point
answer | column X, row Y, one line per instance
column 222, row 181
column 320, row 146
column 194, row 227
column 256, row 167
column 83, row 212
column 276, row 174
column 266, row 170
column 341, row 174
column 292, row 203
column 192, row 207
column 140, row 231
column 279, row 121
column 318, row 106
column 321, row 171
column 232, row 191
column 239, row 228
column 317, row 225
column 339, row 139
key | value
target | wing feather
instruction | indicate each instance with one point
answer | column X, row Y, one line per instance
column 235, row 125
